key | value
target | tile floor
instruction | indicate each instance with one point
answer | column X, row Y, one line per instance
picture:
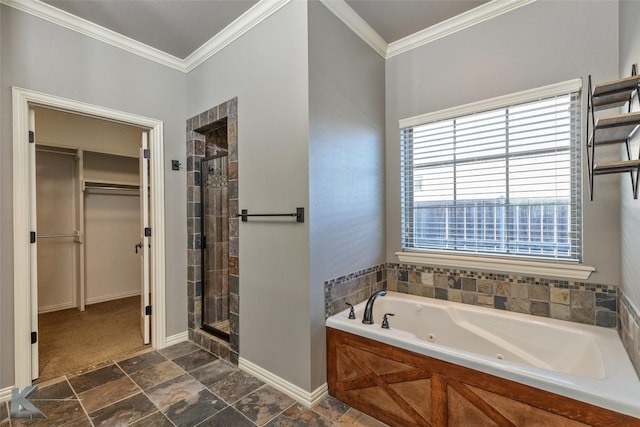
column 181, row 385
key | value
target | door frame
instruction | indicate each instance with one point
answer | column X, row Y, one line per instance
column 24, row 288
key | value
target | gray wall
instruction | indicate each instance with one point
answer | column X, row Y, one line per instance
column 267, row 70
column 346, row 162
column 630, row 208
column 539, row 44
column 41, row 56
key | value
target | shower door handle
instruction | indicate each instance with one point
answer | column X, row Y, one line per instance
column 138, row 246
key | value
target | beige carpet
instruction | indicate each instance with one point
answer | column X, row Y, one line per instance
column 70, row 340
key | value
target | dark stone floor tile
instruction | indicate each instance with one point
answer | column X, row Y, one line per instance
column 157, row 419
column 331, row 408
column 213, row 372
column 235, row 385
column 174, row 390
column 107, row 394
column 298, row 416
column 195, row 408
column 156, row 374
column 123, row 412
column 178, row 350
column 194, row 360
column 80, row 422
column 60, row 390
column 263, row 405
column 227, row 418
column 141, row 362
column 58, row 413
column 89, row 380
column 4, row 414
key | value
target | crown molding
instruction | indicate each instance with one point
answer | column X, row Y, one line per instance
column 82, row 26
column 346, row 14
column 252, row 17
column 474, row 16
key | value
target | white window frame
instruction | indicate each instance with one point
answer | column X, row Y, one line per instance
column 502, row 263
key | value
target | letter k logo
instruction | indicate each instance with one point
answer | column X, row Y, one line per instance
column 21, row 407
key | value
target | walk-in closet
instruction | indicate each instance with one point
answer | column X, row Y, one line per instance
column 89, row 269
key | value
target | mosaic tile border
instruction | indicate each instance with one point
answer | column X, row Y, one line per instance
column 588, row 303
column 629, row 329
column 196, row 151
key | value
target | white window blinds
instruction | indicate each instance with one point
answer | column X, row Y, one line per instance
column 500, row 181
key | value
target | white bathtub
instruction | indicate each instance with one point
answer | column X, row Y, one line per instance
column 587, row 363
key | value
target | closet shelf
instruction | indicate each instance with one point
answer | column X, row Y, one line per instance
column 615, row 93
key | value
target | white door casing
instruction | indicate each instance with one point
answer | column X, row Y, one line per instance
column 144, row 238
column 33, row 252
column 25, row 284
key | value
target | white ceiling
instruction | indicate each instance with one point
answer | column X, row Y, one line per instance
column 178, row 27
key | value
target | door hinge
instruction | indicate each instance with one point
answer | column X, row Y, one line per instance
column 147, row 310
column 146, row 153
column 32, row 137
column 147, row 232
column 32, row 237
column 34, row 337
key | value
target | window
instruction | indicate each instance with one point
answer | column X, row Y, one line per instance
column 502, row 180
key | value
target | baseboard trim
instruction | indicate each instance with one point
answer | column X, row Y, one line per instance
column 5, row 393
column 56, row 307
column 306, row 398
column 177, row 338
column 105, row 298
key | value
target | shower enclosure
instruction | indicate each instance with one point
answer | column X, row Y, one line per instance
column 215, row 243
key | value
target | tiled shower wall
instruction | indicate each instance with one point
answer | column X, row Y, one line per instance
column 197, row 150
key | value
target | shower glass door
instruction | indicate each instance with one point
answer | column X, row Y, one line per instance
column 215, row 246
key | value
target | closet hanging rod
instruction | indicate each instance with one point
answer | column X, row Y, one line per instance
column 54, row 236
column 298, row 214
column 66, row 153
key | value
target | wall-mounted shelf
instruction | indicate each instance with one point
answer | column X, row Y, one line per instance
column 613, row 129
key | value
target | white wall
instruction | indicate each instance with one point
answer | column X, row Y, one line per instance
column 538, row 44
column 45, row 57
column 630, row 208
column 346, row 162
column 267, row 69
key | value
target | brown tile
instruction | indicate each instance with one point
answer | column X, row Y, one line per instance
column 235, row 385
column 58, row 413
column 229, row 417
column 194, row 360
column 469, row 284
column 540, row 308
column 518, row 305
column 560, row 296
column 519, row 290
column 355, row 418
column 174, row 390
column 179, row 349
column 80, row 422
column 263, row 405
column 331, row 408
column 194, row 409
column 485, row 286
column 213, row 372
column 583, row 299
column 141, row 362
column 539, row 293
column 59, row 390
column 583, row 315
column 502, row 289
column 157, row 419
column 89, row 380
column 298, row 416
column 124, row 412
column 106, row 394
column 156, row 374
column 559, row 311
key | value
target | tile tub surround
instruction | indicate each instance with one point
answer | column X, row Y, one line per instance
column 629, row 329
column 200, row 145
column 587, row 303
column 181, row 385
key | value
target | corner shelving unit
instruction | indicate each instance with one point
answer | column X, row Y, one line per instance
column 614, row 129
